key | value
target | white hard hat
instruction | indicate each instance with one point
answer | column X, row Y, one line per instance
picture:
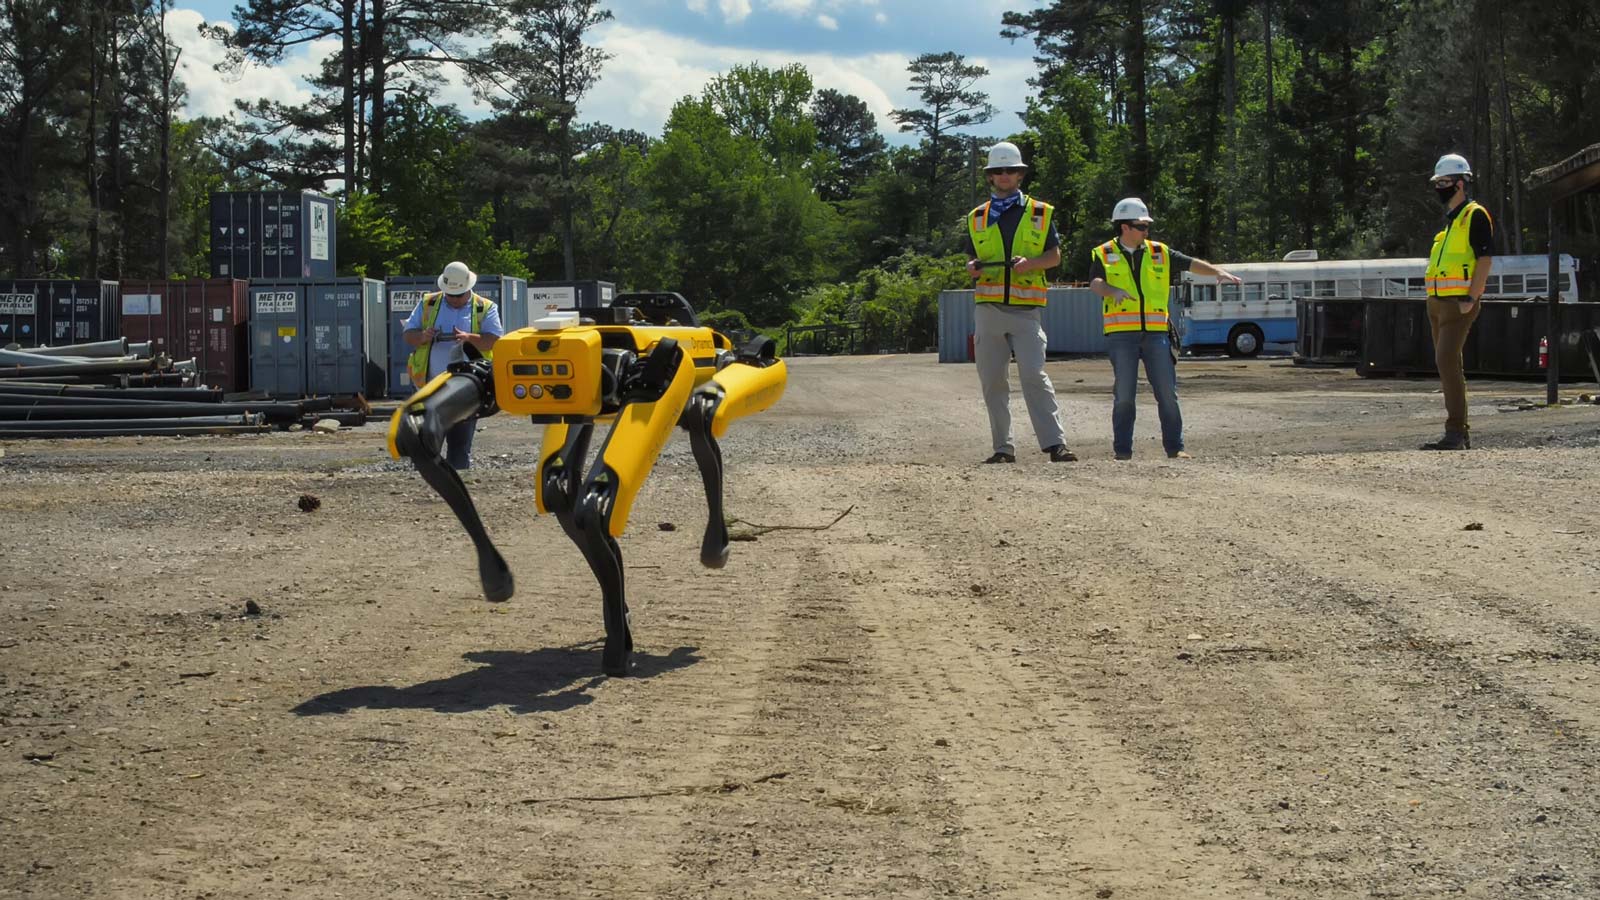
column 1005, row 155
column 1131, row 209
column 1451, row 165
column 457, row 278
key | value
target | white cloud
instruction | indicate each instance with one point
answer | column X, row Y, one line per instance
column 734, row 11
column 211, row 93
column 881, row 18
column 796, row 8
column 650, row 71
column 698, row 6
column 828, row 22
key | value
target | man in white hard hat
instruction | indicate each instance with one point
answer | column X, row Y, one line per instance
column 1133, row 277
column 437, row 328
column 1458, row 270
column 1011, row 241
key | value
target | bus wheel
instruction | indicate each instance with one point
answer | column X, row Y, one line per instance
column 1244, row 340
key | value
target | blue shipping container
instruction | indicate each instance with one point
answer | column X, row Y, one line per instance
column 317, row 337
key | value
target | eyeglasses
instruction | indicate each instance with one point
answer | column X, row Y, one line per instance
column 1139, row 226
column 1008, row 170
column 1444, row 182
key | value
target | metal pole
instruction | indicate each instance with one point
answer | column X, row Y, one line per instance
column 1552, row 387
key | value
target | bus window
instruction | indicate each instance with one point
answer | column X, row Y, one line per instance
column 1537, row 284
column 1416, row 287
column 1491, row 286
column 1511, row 283
column 1253, row 291
column 1395, row 287
column 1325, row 289
column 1277, row 290
column 1302, row 289
column 1348, row 287
column 1565, row 281
column 1372, row 287
column 1205, row 293
column 1230, row 293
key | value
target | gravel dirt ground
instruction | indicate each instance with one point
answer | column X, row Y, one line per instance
column 1311, row 662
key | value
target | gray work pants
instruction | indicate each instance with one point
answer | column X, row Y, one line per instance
column 1001, row 331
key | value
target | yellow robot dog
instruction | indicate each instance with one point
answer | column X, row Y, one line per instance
column 646, row 364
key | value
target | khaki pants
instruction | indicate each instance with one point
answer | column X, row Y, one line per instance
column 1450, row 329
column 1001, row 331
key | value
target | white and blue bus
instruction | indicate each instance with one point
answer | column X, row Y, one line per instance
column 1241, row 318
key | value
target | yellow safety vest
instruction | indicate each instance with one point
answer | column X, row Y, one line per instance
column 1146, row 309
column 998, row 284
column 1452, row 261
column 417, row 363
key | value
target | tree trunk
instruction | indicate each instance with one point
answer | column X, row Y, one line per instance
column 1272, row 131
column 568, row 110
column 1208, row 159
column 1349, row 173
column 114, row 143
column 1141, row 176
column 347, row 110
column 378, row 57
column 169, row 71
column 363, row 41
column 1509, row 127
column 91, row 158
column 1230, row 100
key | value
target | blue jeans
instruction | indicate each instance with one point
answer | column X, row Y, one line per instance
column 1126, row 349
column 458, row 444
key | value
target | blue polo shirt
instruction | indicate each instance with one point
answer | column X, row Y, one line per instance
column 444, row 352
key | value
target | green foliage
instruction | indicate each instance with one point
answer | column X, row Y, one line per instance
column 1251, row 128
column 741, row 231
column 371, row 240
column 895, row 305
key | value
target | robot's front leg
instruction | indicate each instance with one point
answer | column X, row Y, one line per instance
column 417, row 432
column 653, row 394
column 561, row 462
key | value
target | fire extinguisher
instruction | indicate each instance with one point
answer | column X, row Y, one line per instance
column 1544, row 353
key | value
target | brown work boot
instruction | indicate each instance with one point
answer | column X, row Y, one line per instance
column 1452, row 440
column 1060, row 453
column 1000, row 456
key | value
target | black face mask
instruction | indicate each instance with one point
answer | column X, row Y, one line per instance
column 1446, row 194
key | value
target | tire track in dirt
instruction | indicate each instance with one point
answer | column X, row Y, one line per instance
column 1316, row 699
column 998, row 785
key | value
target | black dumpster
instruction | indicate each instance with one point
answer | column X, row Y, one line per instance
column 1328, row 331
column 1398, row 340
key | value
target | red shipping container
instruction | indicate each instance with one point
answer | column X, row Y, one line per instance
column 205, row 320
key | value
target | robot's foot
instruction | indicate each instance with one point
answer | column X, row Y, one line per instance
column 617, row 658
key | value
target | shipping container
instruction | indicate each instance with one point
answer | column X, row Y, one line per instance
column 318, row 337
column 1071, row 320
column 205, row 320
column 38, row 312
column 406, row 291
column 543, row 295
column 273, row 234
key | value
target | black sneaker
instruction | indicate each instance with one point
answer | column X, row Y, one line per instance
column 1060, row 453
column 1450, row 441
column 1001, row 457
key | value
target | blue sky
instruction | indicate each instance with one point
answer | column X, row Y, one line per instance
column 664, row 49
